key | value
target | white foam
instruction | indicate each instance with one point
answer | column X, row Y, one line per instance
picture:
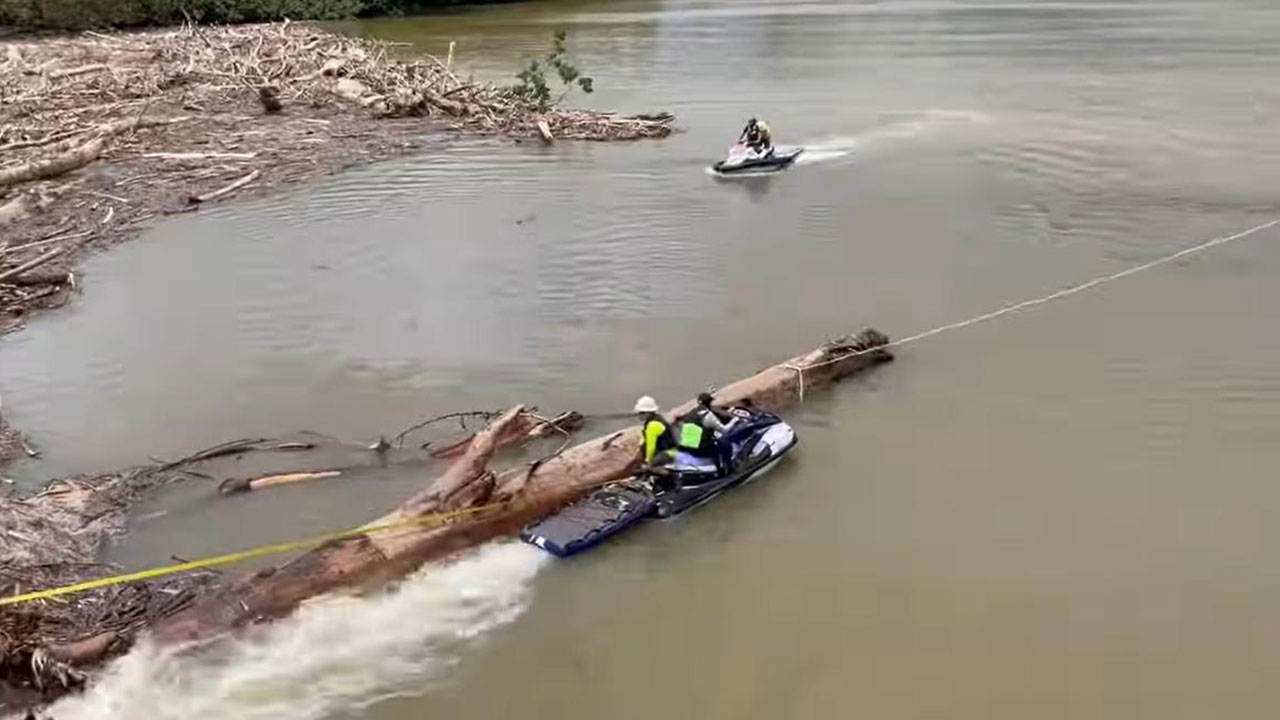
column 334, row 654
column 897, row 126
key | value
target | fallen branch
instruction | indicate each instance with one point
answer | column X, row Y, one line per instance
column 227, row 190
column 545, row 131
column 461, row 417
column 53, row 167
column 15, row 272
column 529, row 427
column 61, row 237
column 237, row 485
column 46, row 140
column 73, row 72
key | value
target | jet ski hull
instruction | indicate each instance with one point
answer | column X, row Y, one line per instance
column 758, row 445
column 592, row 520
column 779, row 160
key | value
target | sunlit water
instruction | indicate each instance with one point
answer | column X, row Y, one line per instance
column 1069, row 513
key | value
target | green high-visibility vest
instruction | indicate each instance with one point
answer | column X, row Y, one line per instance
column 653, row 431
column 690, row 435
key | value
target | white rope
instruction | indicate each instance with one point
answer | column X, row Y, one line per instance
column 1010, row 309
column 799, row 376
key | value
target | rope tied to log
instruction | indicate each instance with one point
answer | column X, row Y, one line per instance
column 1037, row 301
column 799, row 370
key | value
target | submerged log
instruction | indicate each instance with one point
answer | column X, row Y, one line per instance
column 526, row 495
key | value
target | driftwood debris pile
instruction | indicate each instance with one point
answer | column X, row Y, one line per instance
column 53, row 538
column 99, row 133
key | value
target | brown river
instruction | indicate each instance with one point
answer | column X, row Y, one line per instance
column 1073, row 512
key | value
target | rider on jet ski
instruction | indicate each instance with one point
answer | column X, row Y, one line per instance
column 756, row 135
column 656, row 439
column 703, row 430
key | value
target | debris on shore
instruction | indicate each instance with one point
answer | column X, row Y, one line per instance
column 100, row 133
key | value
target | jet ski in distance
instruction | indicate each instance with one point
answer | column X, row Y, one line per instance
column 743, row 159
column 757, row 440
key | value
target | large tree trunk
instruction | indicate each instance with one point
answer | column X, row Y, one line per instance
column 529, row 494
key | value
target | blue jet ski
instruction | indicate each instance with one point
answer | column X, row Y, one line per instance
column 743, row 159
column 758, row 440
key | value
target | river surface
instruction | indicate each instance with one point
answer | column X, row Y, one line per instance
column 1067, row 513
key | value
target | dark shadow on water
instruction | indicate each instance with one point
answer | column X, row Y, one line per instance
column 755, row 186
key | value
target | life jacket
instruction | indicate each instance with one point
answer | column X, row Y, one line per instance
column 693, row 436
column 657, row 440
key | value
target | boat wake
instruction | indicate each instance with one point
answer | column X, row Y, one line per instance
column 894, row 127
column 333, row 654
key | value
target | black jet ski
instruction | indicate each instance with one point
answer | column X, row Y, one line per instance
column 757, row 440
column 743, row 159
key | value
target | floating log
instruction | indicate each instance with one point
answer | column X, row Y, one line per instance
column 527, row 494
column 236, row 485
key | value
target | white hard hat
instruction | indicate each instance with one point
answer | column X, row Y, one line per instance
column 646, row 404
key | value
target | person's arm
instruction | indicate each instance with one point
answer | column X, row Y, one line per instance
column 711, row 421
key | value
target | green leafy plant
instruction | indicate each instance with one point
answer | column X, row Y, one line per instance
column 533, row 88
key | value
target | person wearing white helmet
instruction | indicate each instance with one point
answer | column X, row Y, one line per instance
column 656, row 438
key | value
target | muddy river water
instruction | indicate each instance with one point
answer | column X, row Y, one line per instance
column 1069, row 513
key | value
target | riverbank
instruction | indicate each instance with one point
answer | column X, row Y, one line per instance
column 102, row 133
column 70, row 15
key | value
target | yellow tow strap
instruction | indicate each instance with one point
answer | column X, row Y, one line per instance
column 235, row 557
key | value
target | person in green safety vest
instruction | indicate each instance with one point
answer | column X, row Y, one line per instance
column 702, row 431
column 657, row 440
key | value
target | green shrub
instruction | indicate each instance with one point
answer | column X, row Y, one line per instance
column 533, row 89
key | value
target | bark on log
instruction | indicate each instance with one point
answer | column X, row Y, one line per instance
column 529, row 494
column 66, row 162
column 525, row 429
column 87, row 652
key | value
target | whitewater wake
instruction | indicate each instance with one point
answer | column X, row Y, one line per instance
column 333, row 654
column 894, row 128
